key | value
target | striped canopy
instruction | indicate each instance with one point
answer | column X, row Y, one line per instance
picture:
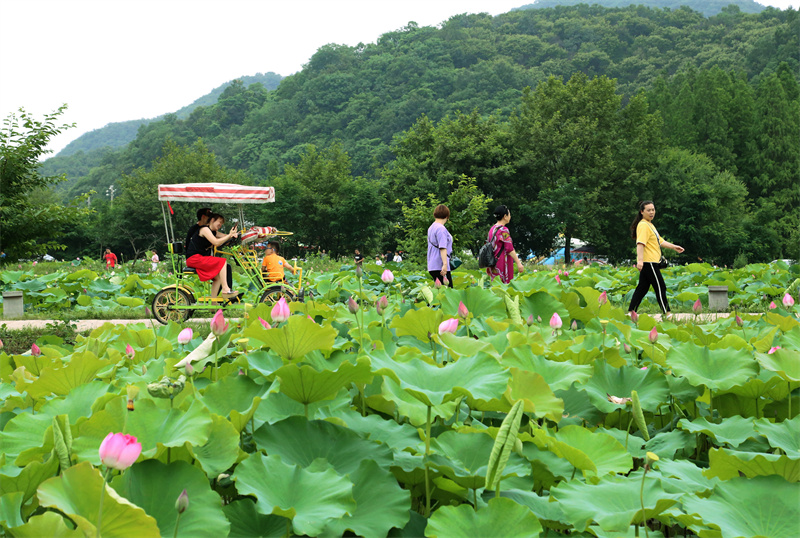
column 221, row 193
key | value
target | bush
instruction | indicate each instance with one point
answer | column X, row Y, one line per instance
column 740, row 260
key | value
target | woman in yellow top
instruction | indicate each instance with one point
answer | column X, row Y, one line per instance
column 648, row 254
column 272, row 268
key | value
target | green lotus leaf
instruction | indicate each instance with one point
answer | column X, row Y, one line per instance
column 578, row 407
column 557, row 375
column 666, row 444
column 246, row 522
column 782, row 435
column 76, row 493
column 375, row 428
column 613, row 503
column 10, row 510
column 34, row 364
column 84, row 300
column 541, row 304
column 381, row 504
column 502, row 517
column 463, row 346
column 81, row 369
column 718, row 369
column 222, row 449
column 131, row 302
column 48, row 524
column 394, row 399
column 478, row 378
column 420, row 323
column 532, row 390
column 298, row 336
column 305, row 384
column 236, row 397
column 765, row 383
column 783, row 322
column 785, row 362
column 592, row 452
column 478, row 301
column 26, row 479
column 155, row 486
column 464, row 458
column 607, row 380
column 549, row 513
column 682, row 477
column 732, row 431
column 300, row 442
column 763, row 507
column 727, row 464
column 312, row 498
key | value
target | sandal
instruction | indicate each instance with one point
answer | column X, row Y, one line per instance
column 230, row 295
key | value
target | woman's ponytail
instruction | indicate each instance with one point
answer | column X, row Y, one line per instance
column 639, row 208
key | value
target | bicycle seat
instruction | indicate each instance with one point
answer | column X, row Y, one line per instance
column 189, row 270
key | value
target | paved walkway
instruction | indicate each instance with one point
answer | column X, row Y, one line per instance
column 90, row 324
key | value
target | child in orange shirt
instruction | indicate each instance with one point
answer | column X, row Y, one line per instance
column 272, row 268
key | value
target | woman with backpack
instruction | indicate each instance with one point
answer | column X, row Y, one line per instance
column 504, row 251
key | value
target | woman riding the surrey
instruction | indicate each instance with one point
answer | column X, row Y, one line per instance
column 198, row 255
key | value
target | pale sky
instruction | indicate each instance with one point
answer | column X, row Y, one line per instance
column 119, row 60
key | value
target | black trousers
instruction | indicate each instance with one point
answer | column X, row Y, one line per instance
column 650, row 275
column 437, row 275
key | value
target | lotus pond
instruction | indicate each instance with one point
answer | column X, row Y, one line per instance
column 543, row 410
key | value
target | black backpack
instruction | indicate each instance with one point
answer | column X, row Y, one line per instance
column 486, row 257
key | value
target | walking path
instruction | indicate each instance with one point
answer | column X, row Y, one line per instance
column 90, row 324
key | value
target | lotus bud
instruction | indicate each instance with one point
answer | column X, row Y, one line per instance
column 264, row 323
column 130, row 352
column 772, row 305
column 280, row 312
column 626, row 347
column 119, row 450
column 1, row 344
column 437, row 284
column 445, row 282
column 144, row 369
column 788, row 300
column 566, row 273
column 530, row 321
column 182, row 503
column 448, row 326
column 218, row 324
column 463, row 312
column 352, row 305
column 603, row 299
column 35, row 351
column 555, row 321
column 653, row 336
column 739, row 321
column 147, row 311
column 381, row 304
column 539, row 319
column 558, row 279
column 773, row 350
column 185, row 336
column 634, row 317
column 359, row 271
column 189, row 369
column 574, row 325
column 387, row 277
column 697, row 307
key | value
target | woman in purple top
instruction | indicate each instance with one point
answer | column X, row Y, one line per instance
column 440, row 246
column 504, row 249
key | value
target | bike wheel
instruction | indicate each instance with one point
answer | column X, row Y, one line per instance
column 273, row 294
column 165, row 300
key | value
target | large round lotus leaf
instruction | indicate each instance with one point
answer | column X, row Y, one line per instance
column 464, row 457
column 26, row 479
column 682, row 477
column 464, row 346
column 578, row 408
column 531, row 387
column 375, row 428
column 311, row 497
column 81, row 369
column 396, row 400
column 299, row 442
column 607, row 380
column 420, row 323
column 551, row 513
column 717, row 369
column 541, row 304
column 479, row 301
column 783, row 435
column 76, row 493
column 234, row 393
column 221, row 450
column 613, row 503
column 727, row 464
column 246, row 522
column 732, row 431
column 156, row 486
column 502, row 517
column 766, row 383
column 763, row 507
column 381, row 504
column 10, row 508
column 558, row 375
column 479, row 378
column 786, row 362
column 153, row 425
column 605, row 454
column 666, row 444
column 306, row 384
column 48, row 524
column 298, row 336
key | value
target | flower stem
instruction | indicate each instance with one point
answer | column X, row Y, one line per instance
column 641, row 499
column 427, row 465
column 102, row 496
column 177, row 521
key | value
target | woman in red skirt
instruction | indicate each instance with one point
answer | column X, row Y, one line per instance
column 198, row 255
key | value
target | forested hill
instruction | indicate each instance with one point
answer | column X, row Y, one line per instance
column 119, row 134
column 709, row 8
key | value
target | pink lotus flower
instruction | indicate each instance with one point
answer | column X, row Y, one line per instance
column 603, row 299
column 697, row 307
column 381, row 304
column 773, row 350
column 530, row 321
column 264, row 323
column 555, row 321
column 574, row 325
column 566, row 273
column 185, row 336
column 352, row 305
column 653, row 336
column 218, row 324
column 34, row 263
column 738, row 320
column 626, row 347
column 1, row 344
column 437, row 284
column 119, row 450
column 448, row 326
column 635, row 317
column 387, row 277
column 445, row 282
column 558, row 279
column 182, row 503
column 35, row 351
column 788, row 300
column 129, row 351
column 463, row 312
column 772, row 305
column 280, row 312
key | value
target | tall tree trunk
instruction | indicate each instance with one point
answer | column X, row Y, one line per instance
column 567, row 246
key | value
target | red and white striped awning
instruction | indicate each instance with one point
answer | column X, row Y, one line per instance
column 221, row 193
